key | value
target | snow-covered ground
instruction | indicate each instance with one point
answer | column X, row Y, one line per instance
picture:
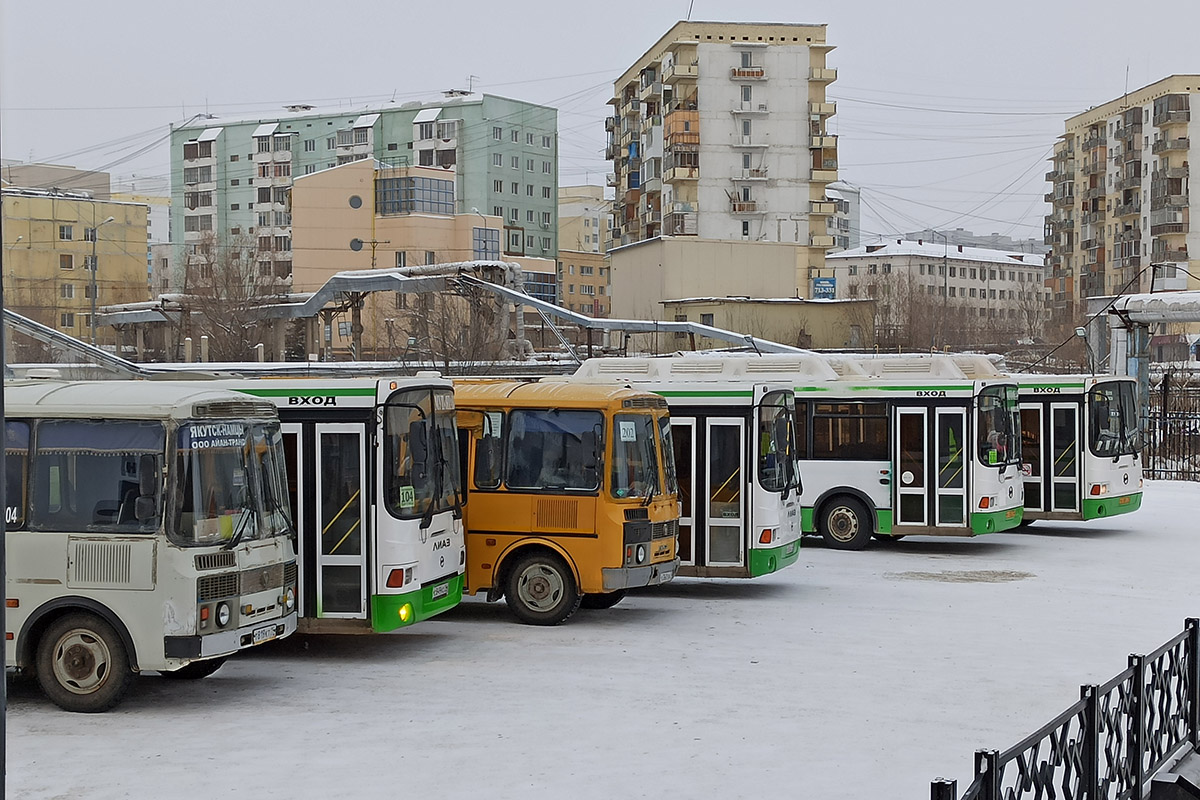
column 847, row 675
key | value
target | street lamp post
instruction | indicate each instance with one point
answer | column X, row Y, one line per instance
column 95, row 236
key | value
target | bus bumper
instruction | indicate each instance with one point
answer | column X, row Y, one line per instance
column 619, row 578
column 225, row 643
column 1094, row 508
column 388, row 610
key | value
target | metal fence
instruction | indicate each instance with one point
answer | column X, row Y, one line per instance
column 1171, row 430
column 1109, row 743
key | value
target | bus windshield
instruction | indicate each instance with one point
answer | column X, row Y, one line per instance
column 421, row 450
column 230, row 483
column 635, row 457
column 1113, row 420
column 667, row 447
column 776, row 450
column 998, row 425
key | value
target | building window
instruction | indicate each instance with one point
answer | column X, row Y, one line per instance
column 262, row 144
column 66, row 233
column 414, row 195
column 283, row 170
column 547, row 142
column 283, row 142
column 310, row 145
column 430, row 257
column 529, row 189
column 745, row 229
column 66, row 320
column 747, row 93
column 516, row 162
column 706, row 319
column 516, row 188
column 485, row 243
column 515, row 136
column 66, row 291
column 545, row 242
column 425, row 158
column 498, row 211
column 514, row 214
column 330, row 143
column 424, row 131
column 497, row 133
column 362, row 135
column 514, row 241
column 498, row 187
column 545, row 192
column 545, row 167
column 545, row 217
column 529, row 165
column 529, row 139
column 497, row 159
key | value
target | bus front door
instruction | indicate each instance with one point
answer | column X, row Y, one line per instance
column 931, row 467
column 725, row 481
column 341, row 515
column 911, row 457
column 683, row 440
column 1065, row 442
column 1032, row 456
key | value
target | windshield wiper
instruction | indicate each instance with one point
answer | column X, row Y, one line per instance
column 243, row 523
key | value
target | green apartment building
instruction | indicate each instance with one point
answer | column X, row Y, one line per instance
column 231, row 179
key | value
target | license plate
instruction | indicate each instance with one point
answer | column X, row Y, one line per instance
column 441, row 590
column 263, row 635
column 666, row 575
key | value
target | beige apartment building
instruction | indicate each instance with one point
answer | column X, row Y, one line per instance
column 819, row 324
column 67, row 253
column 367, row 214
column 583, row 238
column 719, row 132
column 1120, row 218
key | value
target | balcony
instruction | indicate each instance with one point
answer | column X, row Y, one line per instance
column 679, row 72
column 1127, row 261
column 1052, row 176
column 612, row 180
column 752, row 174
column 1132, row 182
column 822, row 75
column 822, row 208
column 820, row 240
column 823, row 175
column 1131, row 235
column 1169, row 228
column 610, row 123
column 1164, row 118
column 1128, row 209
column 674, row 174
column 651, row 185
column 753, row 140
column 652, row 121
column 1170, row 173
column 822, row 142
column 650, row 90
column 1094, row 217
column 822, row 109
column 1091, row 244
column 1171, row 255
column 1094, row 141
column 1061, row 200
column 1170, row 145
column 1128, row 132
column 1095, row 193
column 613, row 151
column 747, row 207
column 748, row 74
column 1093, row 168
column 1168, row 201
column 753, row 109
column 679, row 223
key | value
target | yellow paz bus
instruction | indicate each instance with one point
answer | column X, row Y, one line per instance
column 572, row 494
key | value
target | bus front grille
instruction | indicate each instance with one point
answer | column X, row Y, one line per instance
column 210, row 561
column 214, row 587
column 261, row 578
column 662, row 530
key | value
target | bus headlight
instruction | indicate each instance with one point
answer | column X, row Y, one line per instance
column 289, row 599
column 1099, row 489
column 223, row 614
column 641, row 553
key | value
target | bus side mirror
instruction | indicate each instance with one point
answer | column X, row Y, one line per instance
column 145, row 508
column 148, row 479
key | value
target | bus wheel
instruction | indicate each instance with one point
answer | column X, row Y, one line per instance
column 541, row 590
column 845, row 524
column 195, row 670
column 82, row 664
column 604, row 600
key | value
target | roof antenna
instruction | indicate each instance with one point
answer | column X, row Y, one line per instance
column 690, row 4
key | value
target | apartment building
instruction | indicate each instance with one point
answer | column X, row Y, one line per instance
column 231, row 180
column 1120, row 218
column 719, row 131
column 67, row 253
column 583, row 238
column 845, row 223
column 369, row 214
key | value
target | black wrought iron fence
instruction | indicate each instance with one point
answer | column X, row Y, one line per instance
column 1171, row 430
column 1109, row 743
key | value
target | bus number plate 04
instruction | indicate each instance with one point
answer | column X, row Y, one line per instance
column 263, row 635
column 441, row 590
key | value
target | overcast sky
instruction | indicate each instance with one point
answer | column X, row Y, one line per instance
column 946, row 110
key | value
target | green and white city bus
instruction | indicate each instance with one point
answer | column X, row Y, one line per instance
column 147, row 529
column 1080, row 445
column 890, row 447
column 733, row 438
column 377, row 494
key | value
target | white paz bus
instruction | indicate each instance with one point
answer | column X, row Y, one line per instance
column 147, row 529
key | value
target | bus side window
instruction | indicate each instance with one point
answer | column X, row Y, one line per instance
column 489, row 452
column 16, row 466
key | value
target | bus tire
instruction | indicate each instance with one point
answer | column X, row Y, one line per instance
column 195, row 670
column 845, row 524
column 82, row 664
column 603, row 600
column 541, row 589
